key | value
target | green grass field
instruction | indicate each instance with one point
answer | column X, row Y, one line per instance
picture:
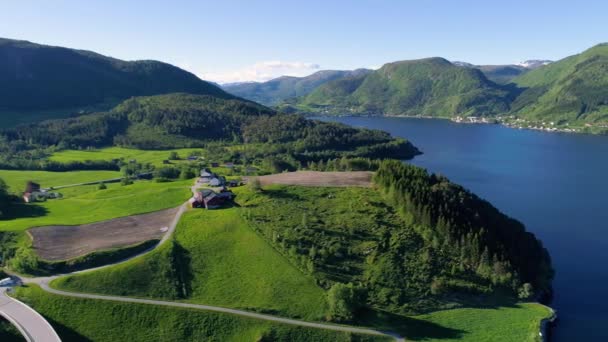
column 86, row 204
column 95, row 320
column 109, row 153
column 508, row 324
column 16, row 179
column 227, row 265
column 518, row 322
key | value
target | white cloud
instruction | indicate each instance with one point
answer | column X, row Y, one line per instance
column 262, row 71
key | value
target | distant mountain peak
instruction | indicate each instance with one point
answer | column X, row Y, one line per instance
column 534, row 63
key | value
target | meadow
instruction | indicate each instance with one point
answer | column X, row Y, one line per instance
column 154, row 157
column 216, row 259
column 78, row 319
column 520, row 322
column 87, row 204
column 17, row 179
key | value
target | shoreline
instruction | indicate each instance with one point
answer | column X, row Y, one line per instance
column 540, row 127
column 546, row 324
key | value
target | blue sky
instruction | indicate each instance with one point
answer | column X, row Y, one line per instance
column 255, row 40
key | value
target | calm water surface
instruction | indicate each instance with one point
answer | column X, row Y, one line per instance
column 556, row 184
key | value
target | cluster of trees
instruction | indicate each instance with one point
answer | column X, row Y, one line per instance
column 472, row 237
column 416, row 244
column 5, row 198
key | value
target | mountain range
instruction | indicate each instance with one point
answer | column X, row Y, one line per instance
column 277, row 90
column 418, row 87
column 570, row 94
column 39, row 82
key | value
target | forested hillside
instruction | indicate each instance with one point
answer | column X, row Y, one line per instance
column 429, row 87
column 417, row 243
column 277, row 90
column 184, row 120
column 57, row 81
column 574, row 89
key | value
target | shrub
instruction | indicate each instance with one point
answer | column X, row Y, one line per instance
column 344, row 300
column 525, row 291
column 173, row 156
column 102, row 186
column 255, row 185
column 167, row 172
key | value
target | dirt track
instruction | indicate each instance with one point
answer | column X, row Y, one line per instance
column 316, row 178
column 66, row 242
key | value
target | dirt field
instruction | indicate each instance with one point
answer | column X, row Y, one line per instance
column 316, row 178
column 66, row 242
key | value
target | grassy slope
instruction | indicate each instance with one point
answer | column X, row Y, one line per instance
column 224, row 251
column 229, row 266
column 519, row 323
column 154, row 157
column 94, row 320
column 570, row 89
column 16, row 179
column 86, row 204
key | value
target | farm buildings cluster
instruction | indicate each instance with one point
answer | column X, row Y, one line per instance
column 216, row 194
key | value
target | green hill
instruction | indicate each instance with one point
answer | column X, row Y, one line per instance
column 184, row 120
column 47, row 81
column 572, row 90
column 429, row 87
column 277, row 90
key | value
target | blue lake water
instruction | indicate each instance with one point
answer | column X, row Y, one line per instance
column 556, row 184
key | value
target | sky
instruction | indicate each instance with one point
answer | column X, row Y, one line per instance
column 238, row 41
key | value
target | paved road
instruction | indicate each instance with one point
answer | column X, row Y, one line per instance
column 30, row 323
column 44, row 284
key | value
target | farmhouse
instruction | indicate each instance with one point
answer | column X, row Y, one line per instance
column 209, row 199
column 34, row 193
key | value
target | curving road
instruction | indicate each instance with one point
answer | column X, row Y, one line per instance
column 31, row 324
column 40, row 325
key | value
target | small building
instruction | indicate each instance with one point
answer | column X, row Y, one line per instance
column 217, row 181
column 32, row 192
column 207, row 173
column 213, row 164
column 193, row 158
column 233, row 183
column 209, row 199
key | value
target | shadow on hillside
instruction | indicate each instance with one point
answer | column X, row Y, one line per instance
column 407, row 327
column 22, row 210
column 183, row 268
column 66, row 333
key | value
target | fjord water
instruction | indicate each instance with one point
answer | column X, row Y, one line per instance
column 556, row 184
